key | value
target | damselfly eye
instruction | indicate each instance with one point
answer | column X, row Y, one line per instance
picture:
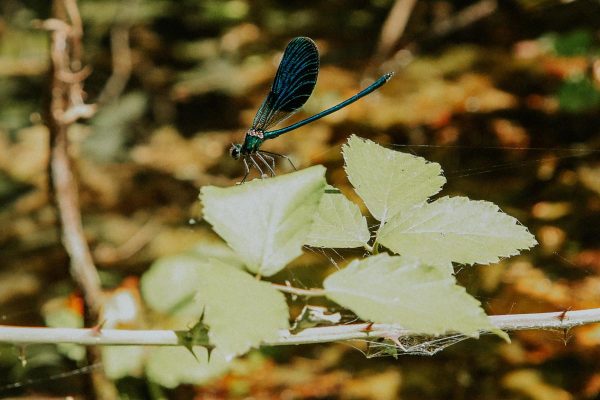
column 234, row 151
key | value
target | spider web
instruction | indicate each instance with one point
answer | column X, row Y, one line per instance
column 411, row 345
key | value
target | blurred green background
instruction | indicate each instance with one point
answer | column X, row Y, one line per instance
column 504, row 95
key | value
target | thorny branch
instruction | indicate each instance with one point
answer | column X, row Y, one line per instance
column 515, row 322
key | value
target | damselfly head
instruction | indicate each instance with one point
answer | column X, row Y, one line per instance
column 235, row 151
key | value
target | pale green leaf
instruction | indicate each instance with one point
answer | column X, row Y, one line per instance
column 403, row 291
column 240, row 311
column 389, row 181
column 219, row 250
column 121, row 361
column 64, row 317
column 266, row 221
column 171, row 283
column 338, row 223
column 456, row 229
column 172, row 366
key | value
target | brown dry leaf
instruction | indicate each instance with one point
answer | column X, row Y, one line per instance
column 510, row 133
column 186, row 159
column 491, row 276
column 258, row 377
column 531, row 384
column 592, row 388
column 541, row 346
column 586, row 292
column 588, row 259
column 551, row 238
column 435, row 102
column 14, row 284
column 564, row 67
column 588, row 336
column 590, row 178
column 513, row 352
column 548, row 211
column 27, row 158
column 379, row 386
column 238, row 36
column 220, row 74
column 531, row 282
column 534, row 347
column 102, row 184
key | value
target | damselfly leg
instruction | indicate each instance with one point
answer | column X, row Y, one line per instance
column 279, row 155
column 261, row 157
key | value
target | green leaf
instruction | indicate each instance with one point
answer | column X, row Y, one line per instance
column 64, row 317
column 389, row 181
column 219, row 250
column 172, row 366
column 240, row 311
column 121, row 361
column 403, row 291
column 338, row 223
column 578, row 42
column 171, row 283
column 266, row 221
column 578, row 95
column 456, row 229
column 112, row 126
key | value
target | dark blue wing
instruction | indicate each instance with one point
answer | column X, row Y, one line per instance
column 294, row 82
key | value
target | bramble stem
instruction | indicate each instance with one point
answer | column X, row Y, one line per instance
column 516, row 322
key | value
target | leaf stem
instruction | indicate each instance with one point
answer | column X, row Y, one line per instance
column 298, row 291
column 375, row 248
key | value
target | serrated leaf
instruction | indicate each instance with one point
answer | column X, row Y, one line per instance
column 218, row 250
column 240, row 311
column 121, row 361
column 403, row 291
column 456, row 229
column 338, row 223
column 172, row 366
column 389, row 181
column 171, row 283
column 266, row 221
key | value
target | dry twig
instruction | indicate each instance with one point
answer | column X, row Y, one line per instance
column 121, row 57
column 65, row 105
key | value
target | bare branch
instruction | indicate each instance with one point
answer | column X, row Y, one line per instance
column 65, row 105
column 392, row 29
column 121, row 56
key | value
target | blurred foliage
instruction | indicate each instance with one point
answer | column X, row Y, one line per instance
column 508, row 104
